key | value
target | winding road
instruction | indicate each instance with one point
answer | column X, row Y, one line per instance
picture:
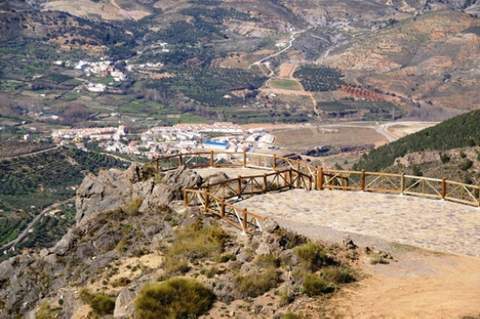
column 27, row 229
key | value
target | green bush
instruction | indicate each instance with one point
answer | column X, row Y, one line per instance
column 175, row 266
column 465, row 165
column 101, row 304
column 256, row 284
column 45, row 311
column 198, row 241
column 313, row 256
column 174, row 298
column 338, row 275
column 445, row 158
column 132, row 207
column 314, row 285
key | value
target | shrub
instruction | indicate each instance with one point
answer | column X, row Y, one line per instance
column 174, row 298
column 445, row 158
column 225, row 258
column 286, row 297
column 288, row 239
column 465, row 165
column 45, row 311
column 290, row 315
column 175, row 266
column 314, row 286
column 197, row 241
column 267, row 261
column 256, row 284
column 313, row 256
column 338, row 275
column 377, row 258
column 132, row 207
column 101, row 304
column 121, row 282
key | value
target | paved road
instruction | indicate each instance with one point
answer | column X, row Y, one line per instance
column 430, row 224
column 32, row 153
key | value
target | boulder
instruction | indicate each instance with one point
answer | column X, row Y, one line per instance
column 158, row 199
column 64, row 244
column 124, row 304
column 215, row 178
column 182, row 178
column 109, row 190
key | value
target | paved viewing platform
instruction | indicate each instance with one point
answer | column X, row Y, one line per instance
column 431, row 224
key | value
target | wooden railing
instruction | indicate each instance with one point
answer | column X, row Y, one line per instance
column 310, row 176
column 240, row 218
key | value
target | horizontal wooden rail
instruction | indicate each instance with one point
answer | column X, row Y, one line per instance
column 240, row 218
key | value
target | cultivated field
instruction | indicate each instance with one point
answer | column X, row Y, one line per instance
column 304, row 138
column 285, row 84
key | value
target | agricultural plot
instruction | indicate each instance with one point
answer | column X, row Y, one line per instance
column 319, row 78
column 285, row 84
column 29, row 184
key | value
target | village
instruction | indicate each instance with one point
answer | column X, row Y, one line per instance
column 162, row 140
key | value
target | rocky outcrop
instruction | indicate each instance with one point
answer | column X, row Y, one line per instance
column 114, row 189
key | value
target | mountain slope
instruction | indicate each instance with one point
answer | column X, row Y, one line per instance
column 458, row 132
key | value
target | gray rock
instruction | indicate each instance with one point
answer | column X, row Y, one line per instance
column 64, row 244
column 215, row 178
column 263, row 249
column 182, row 178
column 124, row 304
column 158, row 199
column 270, row 226
column 109, row 190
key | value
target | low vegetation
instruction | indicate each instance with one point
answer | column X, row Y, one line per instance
column 313, row 256
column 46, row 311
column 174, row 298
column 100, row 303
column 319, row 78
column 314, row 285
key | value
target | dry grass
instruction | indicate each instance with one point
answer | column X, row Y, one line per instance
column 174, row 298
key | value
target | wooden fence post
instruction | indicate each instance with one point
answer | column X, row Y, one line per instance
column 444, row 188
column 239, row 193
column 274, row 165
column 321, row 179
column 222, row 208
column 207, row 200
column 186, row 199
column 299, row 182
column 212, row 163
column 290, row 178
column 402, row 183
column 310, row 182
column 265, row 183
column 362, row 182
column 245, row 220
column 244, row 159
column 180, row 160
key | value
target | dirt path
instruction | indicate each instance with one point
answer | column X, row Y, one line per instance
column 418, row 285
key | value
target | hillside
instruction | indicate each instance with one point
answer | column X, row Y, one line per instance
column 135, row 253
column 459, row 132
column 183, row 61
column 429, row 61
